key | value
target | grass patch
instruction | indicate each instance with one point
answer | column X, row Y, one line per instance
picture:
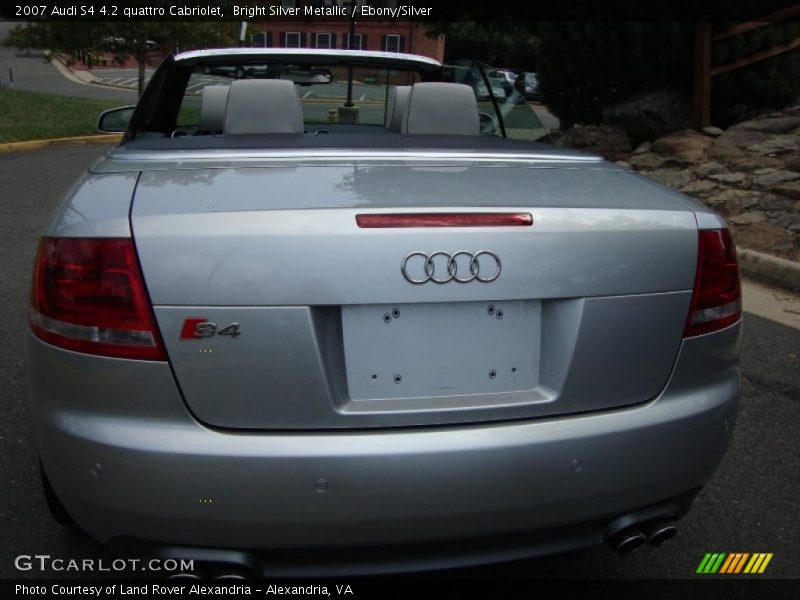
column 35, row 116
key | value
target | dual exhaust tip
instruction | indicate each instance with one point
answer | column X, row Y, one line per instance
column 224, row 578
column 624, row 536
column 632, row 537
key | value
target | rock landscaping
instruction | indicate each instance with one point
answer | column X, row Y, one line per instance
column 749, row 173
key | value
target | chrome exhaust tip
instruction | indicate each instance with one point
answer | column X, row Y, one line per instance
column 231, row 577
column 658, row 533
column 184, row 578
column 627, row 540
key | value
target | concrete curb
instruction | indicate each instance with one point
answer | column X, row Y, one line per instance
column 109, row 138
column 58, row 62
column 769, row 269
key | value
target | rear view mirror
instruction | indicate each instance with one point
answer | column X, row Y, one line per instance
column 115, row 120
column 308, row 76
column 487, row 123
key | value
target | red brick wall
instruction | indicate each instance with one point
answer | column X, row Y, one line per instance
column 414, row 38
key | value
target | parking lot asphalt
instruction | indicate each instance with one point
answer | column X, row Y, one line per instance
column 750, row 505
column 33, row 73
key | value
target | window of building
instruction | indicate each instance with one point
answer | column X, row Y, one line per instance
column 262, row 39
column 393, row 43
column 323, row 40
column 291, row 39
column 358, row 42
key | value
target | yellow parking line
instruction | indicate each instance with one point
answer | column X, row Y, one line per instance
column 113, row 138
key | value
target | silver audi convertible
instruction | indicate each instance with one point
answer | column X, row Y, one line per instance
column 328, row 312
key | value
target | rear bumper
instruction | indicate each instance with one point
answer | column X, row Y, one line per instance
column 396, row 558
column 128, row 460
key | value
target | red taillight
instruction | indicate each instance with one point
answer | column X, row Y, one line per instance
column 88, row 296
column 378, row 221
column 717, row 298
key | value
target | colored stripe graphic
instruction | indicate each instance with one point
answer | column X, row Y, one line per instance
column 711, row 562
column 753, row 564
column 703, row 564
column 717, row 564
column 741, row 562
column 726, row 566
column 758, row 563
column 733, row 563
column 730, row 563
column 765, row 563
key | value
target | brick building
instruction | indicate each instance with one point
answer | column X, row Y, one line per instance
column 385, row 36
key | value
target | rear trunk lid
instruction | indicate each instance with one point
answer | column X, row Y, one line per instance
column 586, row 313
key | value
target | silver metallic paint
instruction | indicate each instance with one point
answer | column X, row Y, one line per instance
column 95, row 206
column 287, row 369
column 203, row 218
column 276, row 54
column 219, row 256
column 385, row 487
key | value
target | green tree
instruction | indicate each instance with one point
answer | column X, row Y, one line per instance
column 137, row 38
column 773, row 83
column 587, row 66
column 63, row 38
column 132, row 38
column 501, row 44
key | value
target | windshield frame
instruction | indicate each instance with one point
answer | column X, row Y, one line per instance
column 159, row 106
column 158, row 109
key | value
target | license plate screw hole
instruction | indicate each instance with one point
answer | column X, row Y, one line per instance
column 492, row 374
column 513, row 369
column 374, row 376
column 398, row 378
column 387, row 318
column 499, row 314
column 396, row 313
column 490, row 310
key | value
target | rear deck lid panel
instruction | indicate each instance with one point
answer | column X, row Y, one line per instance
column 596, row 291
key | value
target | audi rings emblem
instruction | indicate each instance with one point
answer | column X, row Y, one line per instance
column 427, row 267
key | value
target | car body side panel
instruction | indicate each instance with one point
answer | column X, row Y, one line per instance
column 706, row 218
column 97, row 205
